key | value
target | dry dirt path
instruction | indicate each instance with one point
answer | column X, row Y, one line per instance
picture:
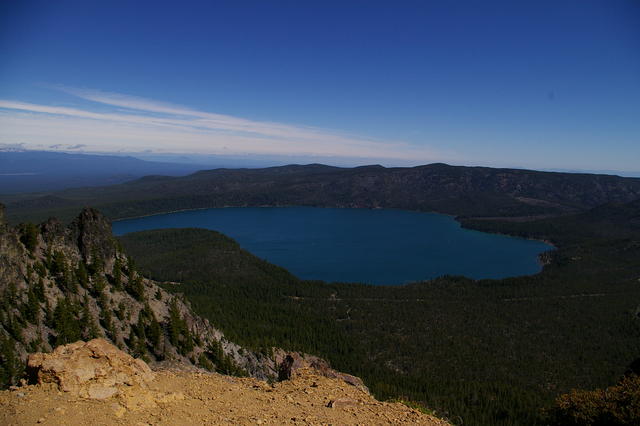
column 180, row 398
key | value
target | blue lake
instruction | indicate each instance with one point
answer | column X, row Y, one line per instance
column 359, row 245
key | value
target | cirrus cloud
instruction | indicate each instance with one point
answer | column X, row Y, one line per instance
column 135, row 124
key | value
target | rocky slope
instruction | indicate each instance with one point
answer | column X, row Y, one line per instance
column 61, row 284
column 95, row 383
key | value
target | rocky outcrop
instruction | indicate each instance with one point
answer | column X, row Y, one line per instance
column 91, row 231
column 94, row 369
column 101, row 384
column 196, row 398
column 290, row 364
column 63, row 283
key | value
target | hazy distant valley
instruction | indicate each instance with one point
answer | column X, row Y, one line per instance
column 32, row 171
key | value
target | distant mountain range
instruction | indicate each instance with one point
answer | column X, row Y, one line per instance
column 30, row 171
column 457, row 190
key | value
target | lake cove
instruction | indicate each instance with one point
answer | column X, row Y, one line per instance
column 359, row 245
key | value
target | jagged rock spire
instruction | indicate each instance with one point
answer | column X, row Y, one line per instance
column 92, row 231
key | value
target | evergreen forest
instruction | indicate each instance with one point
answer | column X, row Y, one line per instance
column 488, row 352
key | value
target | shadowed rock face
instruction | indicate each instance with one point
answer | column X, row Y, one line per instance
column 94, row 369
column 92, row 232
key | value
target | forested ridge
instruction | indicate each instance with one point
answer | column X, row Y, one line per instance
column 457, row 190
column 488, row 352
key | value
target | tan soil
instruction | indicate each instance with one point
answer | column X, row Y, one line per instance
column 187, row 398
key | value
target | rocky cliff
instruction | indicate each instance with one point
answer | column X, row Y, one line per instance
column 60, row 284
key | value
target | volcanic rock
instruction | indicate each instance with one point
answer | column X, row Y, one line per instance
column 94, row 369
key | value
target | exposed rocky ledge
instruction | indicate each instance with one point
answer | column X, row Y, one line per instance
column 94, row 369
column 89, row 383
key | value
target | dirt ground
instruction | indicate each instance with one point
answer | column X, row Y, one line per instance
column 180, row 398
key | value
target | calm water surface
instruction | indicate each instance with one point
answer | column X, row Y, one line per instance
column 359, row 245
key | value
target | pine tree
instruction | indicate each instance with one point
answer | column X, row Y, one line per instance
column 99, row 285
column 131, row 267
column 117, row 274
column 29, row 236
column 205, row 363
column 40, row 269
column 32, row 308
column 81, row 274
column 11, row 367
column 88, row 322
column 187, row 341
column 107, row 322
column 142, row 336
column 223, row 363
column 64, row 276
column 97, row 265
column 39, row 289
column 121, row 312
column 13, row 327
column 48, row 261
column 135, row 287
column 65, row 322
column 154, row 331
column 11, row 294
column 48, row 314
column 131, row 340
column 175, row 323
column 70, row 282
column 58, row 263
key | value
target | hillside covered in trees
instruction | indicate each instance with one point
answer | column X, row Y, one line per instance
column 457, row 190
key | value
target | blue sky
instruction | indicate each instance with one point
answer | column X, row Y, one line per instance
column 546, row 85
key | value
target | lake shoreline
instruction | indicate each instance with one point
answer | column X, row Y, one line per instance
column 456, row 218
column 393, row 247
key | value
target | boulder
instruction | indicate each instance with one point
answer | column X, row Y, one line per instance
column 289, row 362
column 94, row 369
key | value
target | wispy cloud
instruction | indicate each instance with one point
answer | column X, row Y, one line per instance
column 136, row 124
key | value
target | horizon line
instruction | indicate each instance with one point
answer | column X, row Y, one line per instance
column 279, row 160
